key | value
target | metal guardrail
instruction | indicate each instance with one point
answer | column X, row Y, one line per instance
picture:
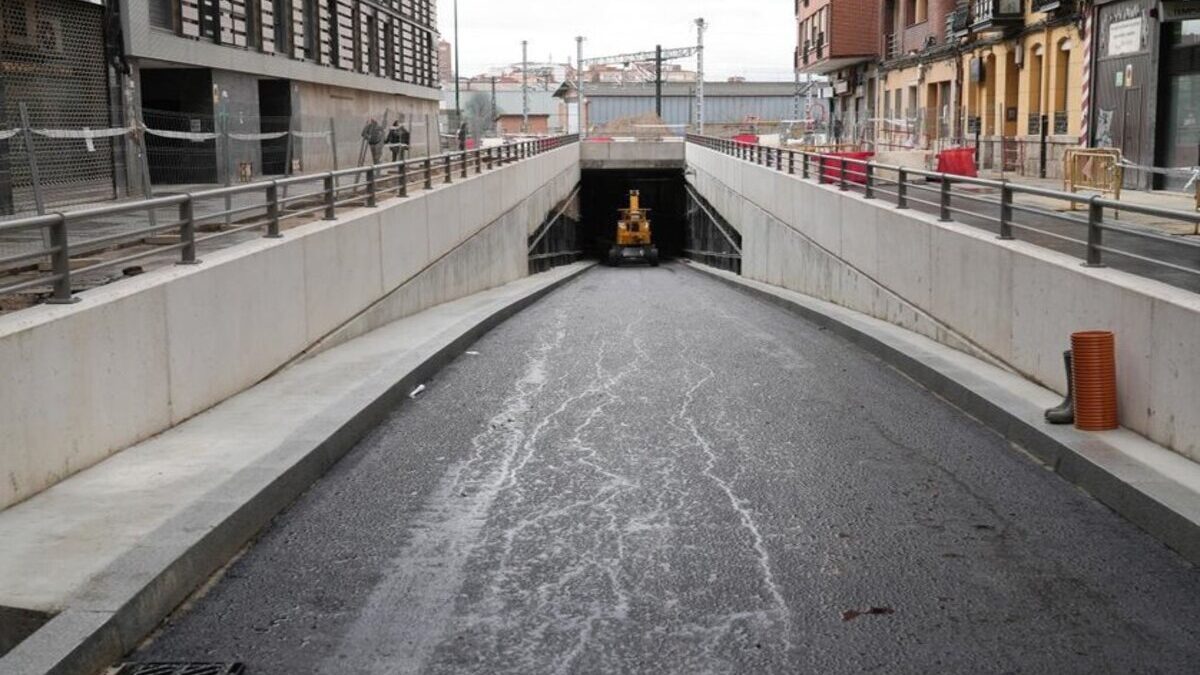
column 1148, row 253
column 358, row 186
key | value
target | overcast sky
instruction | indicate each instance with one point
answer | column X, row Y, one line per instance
column 751, row 38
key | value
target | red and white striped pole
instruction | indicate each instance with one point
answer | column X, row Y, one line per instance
column 1085, row 101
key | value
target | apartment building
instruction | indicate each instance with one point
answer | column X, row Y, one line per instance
column 1007, row 76
column 841, row 40
column 1023, row 77
column 262, row 67
column 919, row 74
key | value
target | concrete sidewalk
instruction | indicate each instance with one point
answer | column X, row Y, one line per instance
column 110, row 551
column 1159, row 199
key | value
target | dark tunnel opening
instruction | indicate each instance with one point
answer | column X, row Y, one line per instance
column 604, row 192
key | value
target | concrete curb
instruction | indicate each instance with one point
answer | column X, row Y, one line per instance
column 1165, row 508
column 125, row 603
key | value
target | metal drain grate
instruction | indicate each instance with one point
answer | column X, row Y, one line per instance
column 181, row 669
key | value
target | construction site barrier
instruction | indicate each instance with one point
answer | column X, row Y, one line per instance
column 958, row 162
column 1098, row 169
column 835, row 164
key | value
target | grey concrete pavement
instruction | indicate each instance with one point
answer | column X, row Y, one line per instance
column 650, row 472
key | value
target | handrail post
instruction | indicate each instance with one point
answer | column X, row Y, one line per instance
column 464, row 163
column 402, row 179
column 869, row 179
column 491, row 161
column 1006, row 210
column 944, row 213
column 330, row 198
column 428, row 172
column 779, row 159
column 791, row 162
column 478, row 162
column 1095, row 237
column 842, row 175
column 372, row 187
column 187, row 232
column 447, row 169
column 902, row 189
column 60, row 261
column 273, row 210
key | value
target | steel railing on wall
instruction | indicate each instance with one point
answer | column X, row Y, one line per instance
column 1011, row 210
column 263, row 206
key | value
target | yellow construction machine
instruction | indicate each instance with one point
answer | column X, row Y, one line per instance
column 633, row 235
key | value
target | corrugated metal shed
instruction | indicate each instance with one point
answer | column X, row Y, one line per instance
column 725, row 102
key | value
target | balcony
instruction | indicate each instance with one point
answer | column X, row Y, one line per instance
column 891, row 49
column 812, row 51
column 958, row 23
column 996, row 15
column 1052, row 6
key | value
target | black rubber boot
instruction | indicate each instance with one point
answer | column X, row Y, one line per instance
column 1064, row 413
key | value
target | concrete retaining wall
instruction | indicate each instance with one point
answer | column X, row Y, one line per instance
column 134, row 358
column 633, row 155
column 1010, row 302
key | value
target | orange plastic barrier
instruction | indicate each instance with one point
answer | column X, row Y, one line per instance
column 831, row 166
column 746, row 139
column 599, row 139
column 1094, row 370
column 958, row 162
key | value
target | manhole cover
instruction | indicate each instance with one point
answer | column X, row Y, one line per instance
column 181, row 669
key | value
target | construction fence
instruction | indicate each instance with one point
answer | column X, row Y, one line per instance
column 46, row 167
column 1037, row 154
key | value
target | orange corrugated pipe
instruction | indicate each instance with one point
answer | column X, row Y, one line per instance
column 1094, row 369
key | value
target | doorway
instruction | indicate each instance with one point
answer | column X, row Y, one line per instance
column 275, row 116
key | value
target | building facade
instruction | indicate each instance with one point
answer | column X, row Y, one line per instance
column 55, row 74
column 286, row 85
column 1023, row 70
column 1146, row 87
column 1005, row 76
column 841, row 41
column 919, row 75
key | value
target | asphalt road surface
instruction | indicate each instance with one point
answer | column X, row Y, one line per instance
column 648, row 471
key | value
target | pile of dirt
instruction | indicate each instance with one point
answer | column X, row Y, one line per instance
column 647, row 125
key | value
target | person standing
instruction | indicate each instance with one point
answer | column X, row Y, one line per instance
column 462, row 136
column 395, row 141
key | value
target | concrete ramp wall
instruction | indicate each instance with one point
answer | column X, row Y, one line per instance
column 1009, row 302
column 137, row 357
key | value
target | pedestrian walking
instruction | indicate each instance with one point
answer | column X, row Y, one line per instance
column 462, row 136
column 374, row 136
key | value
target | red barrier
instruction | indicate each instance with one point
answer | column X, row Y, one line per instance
column 831, row 166
column 746, row 139
column 958, row 162
column 599, row 139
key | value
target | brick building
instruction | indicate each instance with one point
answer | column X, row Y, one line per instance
column 841, row 40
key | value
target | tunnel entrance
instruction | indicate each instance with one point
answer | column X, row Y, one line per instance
column 683, row 223
column 605, row 191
